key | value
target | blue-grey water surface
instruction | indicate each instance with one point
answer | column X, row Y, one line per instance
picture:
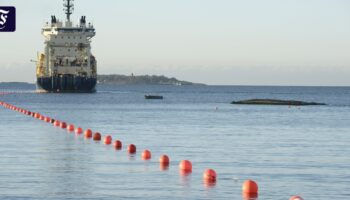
column 287, row 150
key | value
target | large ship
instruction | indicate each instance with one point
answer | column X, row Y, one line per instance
column 67, row 64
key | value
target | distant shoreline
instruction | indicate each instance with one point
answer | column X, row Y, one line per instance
column 117, row 79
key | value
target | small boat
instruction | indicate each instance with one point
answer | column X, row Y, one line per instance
column 153, row 97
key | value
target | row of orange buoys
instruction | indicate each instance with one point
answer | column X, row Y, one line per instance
column 249, row 187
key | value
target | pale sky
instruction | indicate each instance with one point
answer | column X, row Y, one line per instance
column 221, row 42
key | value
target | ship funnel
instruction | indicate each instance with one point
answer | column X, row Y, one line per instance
column 53, row 19
column 82, row 21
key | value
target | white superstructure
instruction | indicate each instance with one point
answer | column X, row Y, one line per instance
column 67, row 47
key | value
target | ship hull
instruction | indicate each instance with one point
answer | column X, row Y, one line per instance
column 66, row 83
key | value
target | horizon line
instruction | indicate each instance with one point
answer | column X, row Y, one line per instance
column 201, row 84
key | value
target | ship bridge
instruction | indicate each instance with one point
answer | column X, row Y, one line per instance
column 56, row 27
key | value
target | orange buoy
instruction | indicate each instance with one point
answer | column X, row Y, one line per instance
column 47, row 119
column 185, row 166
column 250, row 187
column 132, row 149
column 164, row 160
column 209, row 175
column 108, row 139
column 296, row 198
column 146, row 155
column 117, row 144
column 78, row 131
column 57, row 123
column 37, row 115
column 70, row 127
column 97, row 136
column 88, row 133
column 63, row 125
column 42, row 117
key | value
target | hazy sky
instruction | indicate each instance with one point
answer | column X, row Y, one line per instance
column 240, row 42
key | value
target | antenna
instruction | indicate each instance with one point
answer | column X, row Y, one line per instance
column 68, row 8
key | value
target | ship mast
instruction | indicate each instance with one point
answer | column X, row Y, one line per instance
column 68, row 8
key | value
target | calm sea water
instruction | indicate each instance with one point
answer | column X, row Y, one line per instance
column 287, row 150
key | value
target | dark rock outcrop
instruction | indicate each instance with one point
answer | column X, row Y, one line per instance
column 276, row 102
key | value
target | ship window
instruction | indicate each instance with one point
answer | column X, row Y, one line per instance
column 80, row 37
column 62, row 37
column 68, row 37
column 55, row 36
column 68, row 49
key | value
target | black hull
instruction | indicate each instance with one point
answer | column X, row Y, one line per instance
column 66, row 83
